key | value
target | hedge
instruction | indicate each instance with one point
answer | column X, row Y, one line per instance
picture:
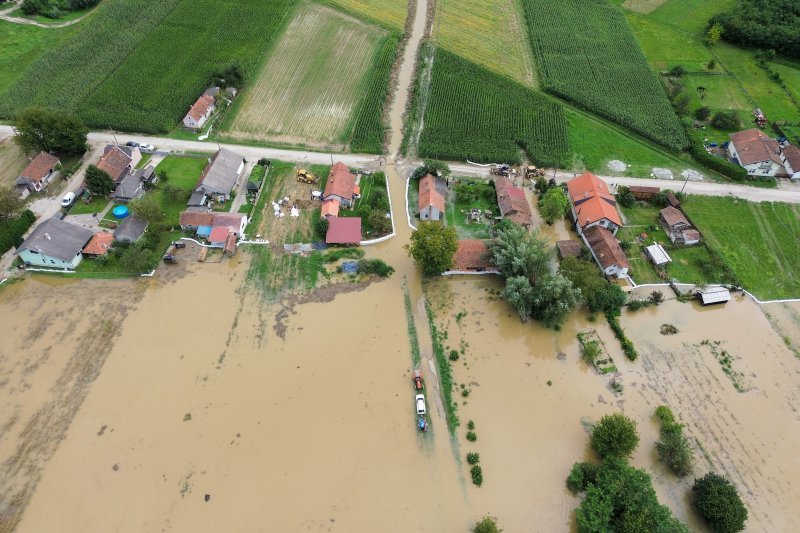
column 712, row 162
column 14, row 230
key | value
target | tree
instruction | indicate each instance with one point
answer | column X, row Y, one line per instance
column 135, row 260
column 596, row 291
column 99, row 181
column 378, row 221
column 10, row 202
column 726, row 120
column 232, row 75
column 33, row 7
column 519, row 253
column 437, row 168
column 321, row 227
column 39, row 129
column 553, row 205
column 625, row 196
column 674, row 450
column 615, row 435
column 487, row 525
column 433, row 246
column 702, row 113
column 518, row 292
column 718, row 502
column 681, row 103
column 714, row 33
column 553, row 297
column 147, row 208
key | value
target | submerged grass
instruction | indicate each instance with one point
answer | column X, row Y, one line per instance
column 445, row 372
column 412, row 327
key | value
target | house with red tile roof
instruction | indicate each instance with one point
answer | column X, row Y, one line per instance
column 330, row 208
column 592, row 204
column 432, row 192
column 757, row 152
column 343, row 230
column 472, row 255
column 119, row 160
column 513, row 204
column 677, row 226
column 99, row 244
column 200, row 112
column 38, row 172
column 792, row 163
column 341, row 186
column 606, row 251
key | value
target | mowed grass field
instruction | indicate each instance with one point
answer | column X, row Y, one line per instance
column 760, row 241
column 390, row 13
column 12, row 162
column 691, row 15
column 311, row 83
column 491, row 34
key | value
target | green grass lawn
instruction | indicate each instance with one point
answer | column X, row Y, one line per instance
column 667, row 47
column 760, row 242
column 791, row 77
column 182, row 172
column 456, row 212
column 21, row 45
column 95, row 206
column 641, row 214
column 691, row 15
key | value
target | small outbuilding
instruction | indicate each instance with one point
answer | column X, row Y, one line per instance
column 472, row 255
column 343, row 230
column 644, row 193
column 713, row 295
column 130, row 229
column 99, row 244
column 36, row 175
column 658, row 255
column 568, row 248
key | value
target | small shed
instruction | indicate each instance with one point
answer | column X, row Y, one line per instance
column 713, row 295
column 568, row 248
column 673, row 200
column 658, row 255
column 644, row 193
column 343, row 230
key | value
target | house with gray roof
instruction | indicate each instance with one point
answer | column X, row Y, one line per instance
column 130, row 229
column 221, row 174
column 55, row 244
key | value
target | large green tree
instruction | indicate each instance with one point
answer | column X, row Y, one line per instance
column 614, row 436
column 40, row 129
column 519, row 253
column 553, row 205
column 148, row 208
column 433, row 246
column 552, row 298
column 99, row 181
column 718, row 501
column 596, row 291
column 518, row 292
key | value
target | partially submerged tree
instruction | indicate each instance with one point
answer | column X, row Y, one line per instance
column 552, row 298
column 519, row 253
column 615, row 435
column 433, row 247
column 99, row 181
column 718, row 501
column 553, row 205
column 43, row 130
column 487, row 525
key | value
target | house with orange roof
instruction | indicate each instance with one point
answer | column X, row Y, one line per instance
column 330, row 208
column 38, row 172
column 200, row 111
column 432, row 192
column 99, row 244
column 792, row 163
column 473, row 255
column 592, row 204
column 759, row 154
column 341, row 186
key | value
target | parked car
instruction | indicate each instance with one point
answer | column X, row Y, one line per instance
column 420, row 401
column 132, row 144
column 147, row 147
column 68, row 199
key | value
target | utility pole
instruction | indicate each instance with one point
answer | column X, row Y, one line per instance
column 113, row 135
column 685, row 182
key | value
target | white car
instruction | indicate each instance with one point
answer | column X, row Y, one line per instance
column 420, row 401
column 68, row 199
column 147, row 147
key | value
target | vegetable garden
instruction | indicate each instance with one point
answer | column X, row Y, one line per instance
column 475, row 114
column 587, row 55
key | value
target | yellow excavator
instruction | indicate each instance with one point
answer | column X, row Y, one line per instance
column 304, row 176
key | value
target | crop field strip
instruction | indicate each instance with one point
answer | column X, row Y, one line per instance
column 122, row 71
column 389, row 13
column 490, row 34
column 473, row 113
column 587, row 55
column 312, row 81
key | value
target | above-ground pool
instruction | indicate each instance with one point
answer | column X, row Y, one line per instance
column 120, row 211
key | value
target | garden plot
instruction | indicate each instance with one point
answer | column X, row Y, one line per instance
column 309, row 88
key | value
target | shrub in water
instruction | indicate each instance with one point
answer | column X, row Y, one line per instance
column 472, row 436
column 477, row 475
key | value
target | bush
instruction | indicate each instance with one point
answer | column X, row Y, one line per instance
column 343, row 253
column 615, row 435
column 453, row 355
column 375, row 267
column 473, row 458
column 472, row 436
column 635, row 305
column 487, row 525
column 477, row 475
column 702, row 113
column 717, row 501
column 674, row 451
column 581, row 475
column 627, row 345
column 320, row 227
column 470, row 425
column 625, row 196
column 13, row 230
column 590, row 351
column 665, row 415
column 656, row 297
column 726, row 120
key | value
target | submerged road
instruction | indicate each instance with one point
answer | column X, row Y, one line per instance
column 789, row 193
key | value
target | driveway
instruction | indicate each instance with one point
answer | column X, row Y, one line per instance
column 241, row 187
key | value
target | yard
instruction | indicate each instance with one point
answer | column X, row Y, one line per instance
column 182, row 172
column 374, row 198
column 466, row 195
column 12, row 162
column 97, row 204
column 760, row 241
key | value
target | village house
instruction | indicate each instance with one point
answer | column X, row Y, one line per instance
column 592, row 204
column 119, row 160
column 606, row 251
column 513, row 204
column 432, row 192
column 200, row 111
column 568, row 248
column 221, row 174
column 330, row 208
column 756, row 152
column 130, row 229
column 472, row 255
column 99, row 244
column 37, row 174
column 341, row 186
column 343, row 230
column 129, row 188
column 792, row 164
column 677, row 226
column 203, row 222
column 56, row 244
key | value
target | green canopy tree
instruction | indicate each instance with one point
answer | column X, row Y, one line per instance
column 432, row 247
column 615, row 435
column 519, row 253
column 552, row 298
column 99, row 181
column 10, row 202
column 718, row 501
column 518, row 292
column 43, row 130
column 147, row 208
column 553, row 205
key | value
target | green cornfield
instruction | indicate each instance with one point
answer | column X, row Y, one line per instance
column 139, row 65
column 477, row 115
column 587, row 55
column 369, row 129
